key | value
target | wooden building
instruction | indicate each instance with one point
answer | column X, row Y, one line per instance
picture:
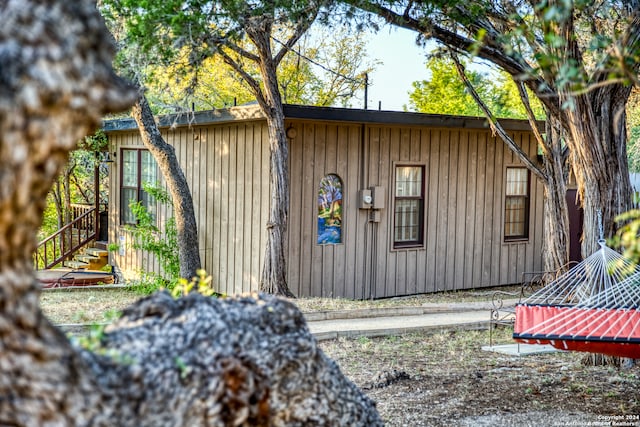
column 382, row 203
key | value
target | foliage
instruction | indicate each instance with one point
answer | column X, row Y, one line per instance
column 201, row 284
column 93, row 339
column 148, row 283
column 633, row 130
column 568, row 47
column 324, row 69
column 50, row 220
column 217, row 68
column 337, row 60
column 196, row 31
column 147, row 237
column 506, row 99
column 627, row 235
column 445, row 93
column 94, row 143
column 177, row 86
column 76, row 183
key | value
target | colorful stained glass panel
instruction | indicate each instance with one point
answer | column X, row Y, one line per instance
column 330, row 210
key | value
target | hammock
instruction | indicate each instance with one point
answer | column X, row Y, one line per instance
column 594, row 307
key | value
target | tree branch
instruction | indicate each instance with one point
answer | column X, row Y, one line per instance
column 495, row 126
column 80, row 188
column 248, row 78
column 219, row 43
column 524, row 97
column 489, row 51
column 299, row 31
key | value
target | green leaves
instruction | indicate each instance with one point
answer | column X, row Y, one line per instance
column 627, row 236
column 558, row 12
column 201, row 284
column 147, row 236
column 94, row 143
column 444, row 93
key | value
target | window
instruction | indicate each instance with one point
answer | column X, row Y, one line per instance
column 330, row 210
column 516, row 206
column 408, row 218
column 138, row 167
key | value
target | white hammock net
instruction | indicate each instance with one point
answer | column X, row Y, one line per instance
column 593, row 307
column 590, row 280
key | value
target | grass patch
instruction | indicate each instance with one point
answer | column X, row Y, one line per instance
column 84, row 306
column 329, row 304
column 90, row 306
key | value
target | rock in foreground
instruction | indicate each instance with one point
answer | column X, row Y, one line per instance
column 238, row 361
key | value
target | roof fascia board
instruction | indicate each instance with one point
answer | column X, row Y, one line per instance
column 400, row 117
column 253, row 112
column 190, row 118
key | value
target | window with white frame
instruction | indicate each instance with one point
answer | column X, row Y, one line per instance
column 138, row 167
column 516, row 205
column 408, row 218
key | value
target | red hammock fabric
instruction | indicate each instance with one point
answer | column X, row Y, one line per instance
column 614, row 332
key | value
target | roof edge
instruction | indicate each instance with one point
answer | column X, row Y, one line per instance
column 400, row 117
column 303, row 112
column 190, row 118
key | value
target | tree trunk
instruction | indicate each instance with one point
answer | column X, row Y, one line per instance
column 274, row 270
column 555, row 249
column 56, row 84
column 57, row 199
column 597, row 123
column 191, row 362
column 188, row 249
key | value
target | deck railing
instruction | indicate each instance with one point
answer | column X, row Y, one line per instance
column 69, row 239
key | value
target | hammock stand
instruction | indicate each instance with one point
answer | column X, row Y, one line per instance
column 592, row 308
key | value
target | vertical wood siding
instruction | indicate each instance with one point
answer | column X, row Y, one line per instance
column 324, row 270
column 226, row 167
column 464, row 209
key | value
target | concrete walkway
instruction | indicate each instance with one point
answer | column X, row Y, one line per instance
column 429, row 317
column 371, row 322
column 393, row 321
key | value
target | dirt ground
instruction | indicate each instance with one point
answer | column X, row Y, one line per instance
column 445, row 379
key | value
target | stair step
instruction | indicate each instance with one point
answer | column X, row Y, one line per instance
column 87, row 258
column 76, row 265
column 96, row 252
column 93, row 262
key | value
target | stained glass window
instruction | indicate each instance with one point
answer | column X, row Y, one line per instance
column 330, row 210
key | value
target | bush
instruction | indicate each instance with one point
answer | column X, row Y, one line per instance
column 162, row 244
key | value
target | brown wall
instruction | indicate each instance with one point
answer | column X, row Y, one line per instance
column 227, row 170
column 227, row 166
column 464, row 204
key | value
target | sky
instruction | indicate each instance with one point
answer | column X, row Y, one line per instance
column 403, row 63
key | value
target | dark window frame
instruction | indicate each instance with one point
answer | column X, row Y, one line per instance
column 420, row 241
column 138, row 188
column 526, row 198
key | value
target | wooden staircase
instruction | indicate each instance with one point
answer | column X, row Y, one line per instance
column 90, row 258
column 70, row 245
